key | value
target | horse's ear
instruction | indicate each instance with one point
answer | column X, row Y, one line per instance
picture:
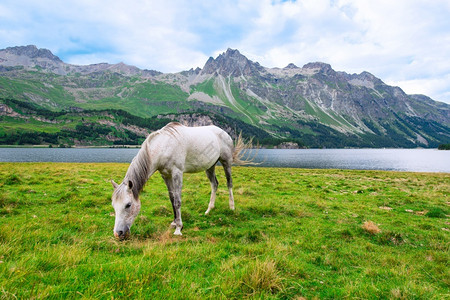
column 115, row 185
column 130, row 184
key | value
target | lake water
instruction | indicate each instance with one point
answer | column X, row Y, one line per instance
column 417, row 160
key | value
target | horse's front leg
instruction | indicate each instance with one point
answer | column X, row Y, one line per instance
column 169, row 184
column 174, row 183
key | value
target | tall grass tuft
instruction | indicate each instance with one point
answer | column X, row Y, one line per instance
column 12, row 179
column 262, row 276
column 436, row 212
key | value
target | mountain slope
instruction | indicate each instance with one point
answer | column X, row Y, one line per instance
column 312, row 105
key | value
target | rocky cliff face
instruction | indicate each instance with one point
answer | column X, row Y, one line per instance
column 313, row 104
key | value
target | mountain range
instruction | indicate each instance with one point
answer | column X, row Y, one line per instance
column 47, row 101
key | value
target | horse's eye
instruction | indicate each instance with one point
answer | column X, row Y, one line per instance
column 128, row 206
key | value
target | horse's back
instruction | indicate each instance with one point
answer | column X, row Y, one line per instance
column 201, row 147
column 213, row 134
column 201, row 133
column 209, row 136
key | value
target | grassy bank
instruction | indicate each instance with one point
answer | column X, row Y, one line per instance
column 295, row 233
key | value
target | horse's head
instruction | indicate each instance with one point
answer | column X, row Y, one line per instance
column 126, row 206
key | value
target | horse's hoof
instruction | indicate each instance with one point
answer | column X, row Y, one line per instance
column 177, row 232
column 173, row 225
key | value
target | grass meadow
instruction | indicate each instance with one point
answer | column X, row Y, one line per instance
column 295, row 234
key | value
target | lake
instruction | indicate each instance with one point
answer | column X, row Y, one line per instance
column 416, row 160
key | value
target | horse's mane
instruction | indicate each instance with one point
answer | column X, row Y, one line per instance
column 139, row 169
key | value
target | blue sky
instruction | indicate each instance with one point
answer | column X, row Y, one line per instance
column 404, row 42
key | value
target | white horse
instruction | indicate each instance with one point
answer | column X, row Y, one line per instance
column 174, row 150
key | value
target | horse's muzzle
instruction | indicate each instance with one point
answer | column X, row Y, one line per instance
column 121, row 235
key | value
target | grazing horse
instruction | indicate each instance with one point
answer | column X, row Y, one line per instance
column 173, row 150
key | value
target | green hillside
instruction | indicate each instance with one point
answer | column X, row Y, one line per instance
column 312, row 106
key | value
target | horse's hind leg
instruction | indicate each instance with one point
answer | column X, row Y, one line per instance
column 227, row 168
column 211, row 173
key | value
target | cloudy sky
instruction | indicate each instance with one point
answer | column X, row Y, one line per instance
column 404, row 42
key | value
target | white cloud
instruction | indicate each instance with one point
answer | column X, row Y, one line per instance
column 404, row 41
column 401, row 41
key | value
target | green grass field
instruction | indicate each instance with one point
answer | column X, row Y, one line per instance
column 295, row 234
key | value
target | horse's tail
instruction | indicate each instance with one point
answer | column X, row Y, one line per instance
column 241, row 155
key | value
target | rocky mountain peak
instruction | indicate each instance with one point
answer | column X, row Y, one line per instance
column 367, row 76
column 233, row 53
column 231, row 62
column 365, row 79
column 31, row 57
column 124, row 68
column 33, row 52
column 320, row 66
column 291, row 66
